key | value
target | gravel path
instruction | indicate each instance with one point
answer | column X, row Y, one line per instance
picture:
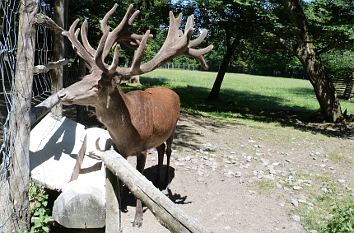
column 248, row 177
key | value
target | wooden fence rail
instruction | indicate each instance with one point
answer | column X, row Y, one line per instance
column 167, row 213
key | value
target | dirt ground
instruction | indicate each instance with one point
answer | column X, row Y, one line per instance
column 237, row 177
column 246, row 176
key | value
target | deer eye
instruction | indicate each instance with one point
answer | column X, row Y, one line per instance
column 96, row 86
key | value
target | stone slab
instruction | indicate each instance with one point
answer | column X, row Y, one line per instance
column 54, row 148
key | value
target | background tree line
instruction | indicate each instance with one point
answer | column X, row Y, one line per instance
column 291, row 38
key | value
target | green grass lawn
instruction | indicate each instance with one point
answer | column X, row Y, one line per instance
column 253, row 96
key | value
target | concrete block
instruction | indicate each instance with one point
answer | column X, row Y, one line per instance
column 82, row 202
column 95, row 137
column 54, row 148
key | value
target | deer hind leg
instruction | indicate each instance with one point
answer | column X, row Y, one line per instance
column 168, row 154
column 161, row 152
column 138, row 220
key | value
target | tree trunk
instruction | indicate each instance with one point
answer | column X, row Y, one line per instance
column 305, row 51
column 230, row 50
column 322, row 84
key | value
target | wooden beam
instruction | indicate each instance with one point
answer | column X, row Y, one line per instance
column 39, row 69
column 168, row 214
column 43, row 108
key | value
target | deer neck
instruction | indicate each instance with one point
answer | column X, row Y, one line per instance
column 113, row 112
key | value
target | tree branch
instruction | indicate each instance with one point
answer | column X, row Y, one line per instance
column 47, row 22
column 39, row 69
column 282, row 41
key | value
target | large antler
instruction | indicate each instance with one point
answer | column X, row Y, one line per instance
column 177, row 43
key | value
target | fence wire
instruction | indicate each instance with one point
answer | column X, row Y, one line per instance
column 9, row 18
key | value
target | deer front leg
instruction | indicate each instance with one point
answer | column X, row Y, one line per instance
column 140, row 164
column 161, row 152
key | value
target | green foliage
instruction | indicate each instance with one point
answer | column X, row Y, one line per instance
column 331, row 23
column 342, row 220
column 39, row 211
column 339, row 63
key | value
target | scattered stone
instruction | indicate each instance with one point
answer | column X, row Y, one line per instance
column 296, row 218
column 252, row 192
column 265, row 162
column 249, row 158
column 200, row 180
column 290, row 178
column 295, row 202
column 251, row 141
column 323, row 165
column 341, row 181
column 238, row 174
column 302, row 201
column 227, row 228
column 269, row 177
column 229, row 174
column 313, row 231
column 324, row 189
column 259, row 154
column 208, row 147
column 296, row 187
column 278, row 185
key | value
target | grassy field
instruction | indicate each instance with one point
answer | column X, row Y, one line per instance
column 242, row 95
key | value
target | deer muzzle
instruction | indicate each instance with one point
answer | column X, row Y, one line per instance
column 64, row 97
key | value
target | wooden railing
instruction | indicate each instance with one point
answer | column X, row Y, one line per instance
column 168, row 214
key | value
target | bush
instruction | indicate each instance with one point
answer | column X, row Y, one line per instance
column 39, row 210
column 342, row 220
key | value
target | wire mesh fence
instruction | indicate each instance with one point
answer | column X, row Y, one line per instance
column 8, row 46
column 9, row 19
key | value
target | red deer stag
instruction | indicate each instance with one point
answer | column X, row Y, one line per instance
column 137, row 120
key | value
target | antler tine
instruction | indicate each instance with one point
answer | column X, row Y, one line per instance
column 115, row 61
column 178, row 43
column 199, row 55
column 138, row 54
column 99, row 59
column 174, row 25
column 194, row 43
column 81, row 51
column 104, row 21
column 121, row 33
column 84, row 39
column 189, row 24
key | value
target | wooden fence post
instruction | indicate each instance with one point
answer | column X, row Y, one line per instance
column 60, row 18
column 113, row 214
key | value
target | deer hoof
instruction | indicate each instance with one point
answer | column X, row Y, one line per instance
column 138, row 221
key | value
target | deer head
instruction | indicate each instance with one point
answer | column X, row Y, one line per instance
column 103, row 78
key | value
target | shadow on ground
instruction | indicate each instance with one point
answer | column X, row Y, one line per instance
column 247, row 105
